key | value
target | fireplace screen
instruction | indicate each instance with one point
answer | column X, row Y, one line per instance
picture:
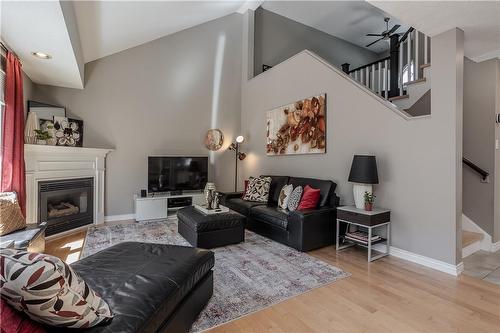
column 65, row 204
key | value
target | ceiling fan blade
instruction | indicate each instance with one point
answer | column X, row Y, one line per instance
column 374, row 35
column 394, row 28
column 374, row 42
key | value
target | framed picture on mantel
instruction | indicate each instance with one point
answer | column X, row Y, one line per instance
column 298, row 128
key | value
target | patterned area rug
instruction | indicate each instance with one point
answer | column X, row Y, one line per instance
column 248, row 276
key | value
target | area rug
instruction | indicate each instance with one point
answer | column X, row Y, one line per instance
column 248, row 276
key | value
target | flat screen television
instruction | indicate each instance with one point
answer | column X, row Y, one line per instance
column 175, row 173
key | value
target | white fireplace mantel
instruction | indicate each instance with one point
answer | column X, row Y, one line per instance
column 44, row 162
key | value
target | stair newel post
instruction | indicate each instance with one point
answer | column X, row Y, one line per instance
column 394, row 66
column 345, row 67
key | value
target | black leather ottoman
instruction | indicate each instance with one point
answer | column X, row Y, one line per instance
column 209, row 231
column 149, row 287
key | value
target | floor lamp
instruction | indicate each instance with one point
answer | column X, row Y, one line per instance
column 235, row 146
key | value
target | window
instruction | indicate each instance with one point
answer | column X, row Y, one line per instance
column 408, row 73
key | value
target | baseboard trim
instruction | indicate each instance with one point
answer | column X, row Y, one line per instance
column 495, row 247
column 112, row 218
column 439, row 265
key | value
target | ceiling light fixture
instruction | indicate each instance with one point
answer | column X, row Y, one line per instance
column 41, row 55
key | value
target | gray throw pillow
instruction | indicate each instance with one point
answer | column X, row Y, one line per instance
column 294, row 200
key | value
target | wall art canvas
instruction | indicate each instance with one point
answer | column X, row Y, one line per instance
column 69, row 132
column 46, row 111
column 298, row 128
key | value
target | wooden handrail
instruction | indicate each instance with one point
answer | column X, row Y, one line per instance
column 483, row 173
column 370, row 64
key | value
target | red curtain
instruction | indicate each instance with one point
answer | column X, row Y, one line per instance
column 13, row 177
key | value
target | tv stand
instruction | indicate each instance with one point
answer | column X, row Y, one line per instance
column 158, row 205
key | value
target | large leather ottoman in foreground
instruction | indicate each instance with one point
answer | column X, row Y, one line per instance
column 209, row 231
column 149, row 287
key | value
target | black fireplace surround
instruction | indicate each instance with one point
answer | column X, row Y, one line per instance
column 65, row 204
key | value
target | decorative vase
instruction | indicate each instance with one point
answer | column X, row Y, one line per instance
column 368, row 206
column 32, row 124
column 209, row 193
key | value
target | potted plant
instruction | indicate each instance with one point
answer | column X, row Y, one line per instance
column 42, row 137
column 369, row 198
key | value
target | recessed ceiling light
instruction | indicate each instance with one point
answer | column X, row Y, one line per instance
column 41, row 55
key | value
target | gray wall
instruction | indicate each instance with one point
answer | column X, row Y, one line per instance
column 480, row 90
column 159, row 98
column 28, row 87
column 496, row 236
column 278, row 38
column 417, row 159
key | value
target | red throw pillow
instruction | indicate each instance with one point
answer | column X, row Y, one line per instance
column 16, row 322
column 246, row 187
column 310, row 198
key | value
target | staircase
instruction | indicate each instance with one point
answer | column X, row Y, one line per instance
column 403, row 78
column 471, row 242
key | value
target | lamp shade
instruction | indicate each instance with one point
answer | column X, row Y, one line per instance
column 364, row 170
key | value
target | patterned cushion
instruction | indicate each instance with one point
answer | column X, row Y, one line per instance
column 294, row 200
column 11, row 218
column 49, row 291
column 285, row 195
column 258, row 189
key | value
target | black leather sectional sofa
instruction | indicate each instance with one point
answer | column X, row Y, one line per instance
column 302, row 230
column 149, row 287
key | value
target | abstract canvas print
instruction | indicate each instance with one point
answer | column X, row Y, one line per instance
column 298, row 128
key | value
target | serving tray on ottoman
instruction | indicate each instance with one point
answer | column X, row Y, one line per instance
column 212, row 230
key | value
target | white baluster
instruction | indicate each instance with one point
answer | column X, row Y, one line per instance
column 367, row 70
column 380, row 78
column 408, row 56
column 356, row 75
column 400, row 76
column 426, row 56
column 361, row 78
column 416, row 55
column 386, row 76
column 373, row 77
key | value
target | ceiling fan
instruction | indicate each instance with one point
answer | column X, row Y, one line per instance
column 385, row 35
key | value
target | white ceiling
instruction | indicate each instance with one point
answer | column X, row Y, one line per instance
column 480, row 21
column 30, row 26
column 349, row 20
column 108, row 27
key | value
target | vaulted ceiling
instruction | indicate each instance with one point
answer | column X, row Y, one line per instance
column 76, row 32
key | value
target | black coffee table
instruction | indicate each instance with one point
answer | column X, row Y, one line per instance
column 210, row 230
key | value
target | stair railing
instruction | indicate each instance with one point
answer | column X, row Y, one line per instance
column 483, row 173
column 408, row 56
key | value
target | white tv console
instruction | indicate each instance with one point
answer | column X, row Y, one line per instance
column 157, row 206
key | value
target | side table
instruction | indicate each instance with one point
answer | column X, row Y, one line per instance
column 369, row 220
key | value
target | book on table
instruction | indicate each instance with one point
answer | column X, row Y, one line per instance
column 360, row 236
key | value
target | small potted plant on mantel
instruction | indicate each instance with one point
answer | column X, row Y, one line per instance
column 42, row 137
column 369, row 198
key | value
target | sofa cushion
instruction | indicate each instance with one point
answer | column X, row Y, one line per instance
column 277, row 183
column 285, row 196
column 49, row 291
column 273, row 215
column 242, row 206
column 326, row 187
column 294, row 200
column 143, row 282
column 310, row 198
column 258, row 189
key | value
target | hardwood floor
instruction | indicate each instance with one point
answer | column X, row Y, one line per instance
column 388, row 295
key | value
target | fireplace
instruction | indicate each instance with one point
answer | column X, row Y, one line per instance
column 66, row 204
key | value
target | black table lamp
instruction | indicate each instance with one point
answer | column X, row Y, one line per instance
column 364, row 174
